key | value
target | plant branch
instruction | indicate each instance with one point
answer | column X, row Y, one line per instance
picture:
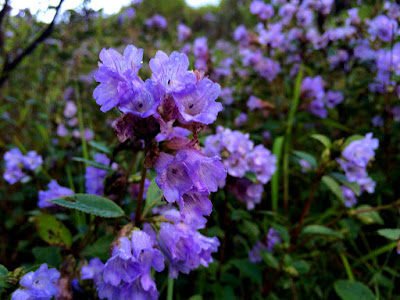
column 138, row 216
column 10, row 66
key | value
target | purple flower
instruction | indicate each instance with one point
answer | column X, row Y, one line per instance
column 313, row 88
column 117, row 75
column 333, row 98
column 94, row 177
column 286, row 12
column 184, row 248
column 261, row 162
column 395, row 110
column 70, row 109
column 55, row 191
column 171, row 73
column 193, row 207
column 360, row 152
column 247, row 192
column 197, row 102
column 130, row 12
column 38, row 284
column 377, row 121
column 354, row 173
column 367, row 184
column 305, row 166
column 13, row 157
column 273, row 237
column 32, row 161
column 184, row 33
column 157, row 21
column 200, row 48
column 13, row 174
column 94, row 270
column 317, row 108
column 241, row 119
column 254, row 103
column 127, row 273
column 349, row 196
column 62, row 131
column 304, row 17
column 226, row 95
column 264, row 11
column 383, row 27
column 241, row 35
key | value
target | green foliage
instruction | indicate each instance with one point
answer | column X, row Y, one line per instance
column 52, row 231
column 349, row 290
column 91, row 204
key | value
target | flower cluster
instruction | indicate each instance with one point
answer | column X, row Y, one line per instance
column 267, row 244
column 200, row 51
column 162, row 110
column 240, row 156
column 356, row 158
column 16, row 164
column 38, row 285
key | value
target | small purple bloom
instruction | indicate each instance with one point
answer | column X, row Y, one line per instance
column 377, row 121
column 261, row 162
column 333, row 98
column 360, row 152
column 184, row 33
column 62, row 131
column 38, row 285
column 94, row 270
column 241, row 119
column 200, row 48
column 32, row 161
column 254, row 103
column 349, row 196
column 383, row 27
column 70, row 109
column 94, row 177
column 55, row 191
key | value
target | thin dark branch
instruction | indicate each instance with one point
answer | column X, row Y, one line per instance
column 4, row 11
column 10, row 66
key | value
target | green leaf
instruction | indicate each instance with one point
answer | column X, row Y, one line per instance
column 301, row 266
column 250, row 229
column 91, row 204
column 251, row 176
column 100, row 146
column 389, row 233
column 343, row 180
column 92, row 163
column 369, row 217
column 269, row 259
column 196, row 297
column 350, row 290
column 249, row 269
column 320, row 229
column 277, row 151
column 50, row 255
column 153, row 196
column 355, row 137
column 333, row 186
column 324, row 140
column 99, row 248
column 53, row 231
column 306, row 156
column 3, row 271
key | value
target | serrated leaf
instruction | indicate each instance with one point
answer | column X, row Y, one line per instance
column 251, row 176
column 321, row 230
column 269, row 259
column 100, row 247
column 93, row 163
column 91, row 204
column 53, row 231
column 390, row 233
column 350, row 290
column 306, row 156
column 153, row 196
column 334, row 186
column 343, row 180
column 324, row 140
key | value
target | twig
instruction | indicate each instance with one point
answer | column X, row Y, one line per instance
column 223, row 244
column 10, row 66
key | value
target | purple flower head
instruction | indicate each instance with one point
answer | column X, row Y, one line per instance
column 360, row 152
column 254, row 103
column 13, row 157
column 201, row 64
column 305, row 166
column 70, row 109
column 62, row 131
column 38, row 285
column 264, row 11
column 268, row 69
column 247, row 192
column 341, row 57
column 304, row 17
column 94, row 270
column 94, row 177
column 354, row 173
column 117, row 75
column 313, row 88
column 226, row 95
column 261, row 162
column 241, row 119
column 286, row 12
column 127, row 273
column 349, row 196
column 55, row 191
column 363, row 51
column 317, row 108
column 377, row 121
column 184, row 33
column 353, row 16
column 333, row 98
column 173, row 175
column 383, row 27
column 273, row 237
column 395, row 110
column 171, row 73
column 157, row 21
column 130, row 12
column 193, row 207
column 367, row 184
column 197, row 102
column 184, row 248
column 241, row 35
column 32, row 161
column 13, row 174
column 200, row 48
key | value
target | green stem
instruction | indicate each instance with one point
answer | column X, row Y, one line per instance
column 347, row 267
column 138, row 216
column 277, row 151
column 170, row 290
